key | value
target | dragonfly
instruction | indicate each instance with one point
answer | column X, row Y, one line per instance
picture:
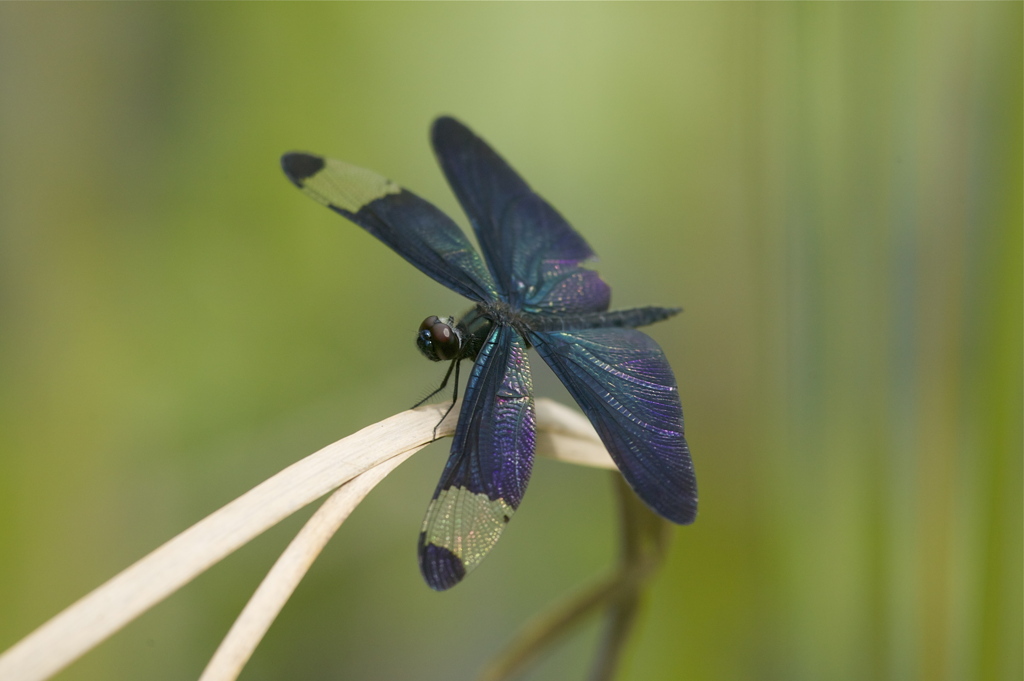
column 528, row 290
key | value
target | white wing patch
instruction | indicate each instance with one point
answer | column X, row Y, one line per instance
column 465, row 523
column 347, row 186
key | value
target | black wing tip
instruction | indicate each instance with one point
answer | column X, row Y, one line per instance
column 448, row 128
column 688, row 514
column 679, row 511
column 441, row 568
column 674, row 497
column 450, row 122
column 299, row 166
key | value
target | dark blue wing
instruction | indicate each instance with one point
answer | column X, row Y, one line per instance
column 489, row 466
column 623, row 383
column 533, row 253
column 412, row 227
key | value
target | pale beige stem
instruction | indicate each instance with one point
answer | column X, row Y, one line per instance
column 98, row 615
column 282, row 580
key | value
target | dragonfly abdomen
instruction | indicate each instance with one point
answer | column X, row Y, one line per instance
column 629, row 319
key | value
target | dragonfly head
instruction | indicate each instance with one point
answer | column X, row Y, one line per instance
column 439, row 339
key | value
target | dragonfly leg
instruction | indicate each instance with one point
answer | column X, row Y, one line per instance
column 444, row 382
column 455, row 397
column 454, row 366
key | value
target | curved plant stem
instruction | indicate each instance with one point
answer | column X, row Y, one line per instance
column 644, row 539
column 289, row 569
column 355, row 463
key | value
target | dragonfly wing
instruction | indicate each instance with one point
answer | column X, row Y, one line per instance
column 489, row 466
column 533, row 253
column 622, row 381
column 414, row 228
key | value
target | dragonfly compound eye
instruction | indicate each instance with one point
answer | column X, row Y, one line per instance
column 438, row 340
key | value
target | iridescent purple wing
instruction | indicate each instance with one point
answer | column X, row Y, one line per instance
column 411, row 226
column 623, row 383
column 489, row 466
column 533, row 253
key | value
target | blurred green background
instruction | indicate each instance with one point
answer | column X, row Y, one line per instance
column 832, row 191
